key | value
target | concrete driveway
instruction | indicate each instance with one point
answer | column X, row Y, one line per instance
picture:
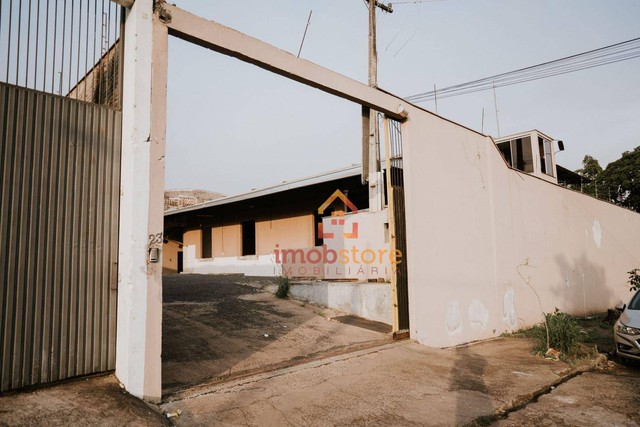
column 402, row 384
column 221, row 326
column 406, row 384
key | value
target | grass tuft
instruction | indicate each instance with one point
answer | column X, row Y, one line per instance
column 283, row 287
column 564, row 333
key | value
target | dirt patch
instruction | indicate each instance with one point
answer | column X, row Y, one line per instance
column 598, row 332
column 92, row 401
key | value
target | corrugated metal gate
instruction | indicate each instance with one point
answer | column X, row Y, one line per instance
column 59, row 190
column 395, row 177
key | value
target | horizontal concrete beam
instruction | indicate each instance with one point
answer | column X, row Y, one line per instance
column 228, row 41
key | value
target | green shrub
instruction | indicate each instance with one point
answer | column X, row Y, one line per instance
column 563, row 331
column 283, row 287
column 634, row 279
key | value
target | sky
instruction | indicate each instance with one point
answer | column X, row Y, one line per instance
column 233, row 127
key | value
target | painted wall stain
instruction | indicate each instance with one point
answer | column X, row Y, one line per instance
column 597, row 233
column 453, row 318
column 478, row 315
column 509, row 315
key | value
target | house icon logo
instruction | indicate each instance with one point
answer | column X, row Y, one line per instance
column 338, row 216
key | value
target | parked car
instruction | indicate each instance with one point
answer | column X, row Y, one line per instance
column 626, row 331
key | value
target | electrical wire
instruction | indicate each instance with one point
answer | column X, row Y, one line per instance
column 415, row 1
column 611, row 54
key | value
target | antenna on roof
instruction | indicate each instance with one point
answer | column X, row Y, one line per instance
column 305, row 32
column 495, row 103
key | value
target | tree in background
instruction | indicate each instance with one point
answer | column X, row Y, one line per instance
column 622, row 178
column 619, row 183
column 591, row 171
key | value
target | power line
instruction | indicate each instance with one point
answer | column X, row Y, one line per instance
column 416, row 1
column 611, row 54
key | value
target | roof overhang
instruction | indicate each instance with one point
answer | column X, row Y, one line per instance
column 284, row 186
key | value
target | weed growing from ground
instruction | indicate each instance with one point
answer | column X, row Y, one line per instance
column 283, row 287
column 563, row 333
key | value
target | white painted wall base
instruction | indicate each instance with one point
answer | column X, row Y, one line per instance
column 368, row 300
column 263, row 265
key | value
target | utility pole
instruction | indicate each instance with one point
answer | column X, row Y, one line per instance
column 371, row 145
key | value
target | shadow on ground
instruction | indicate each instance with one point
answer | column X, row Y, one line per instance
column 467, row 381
column 216, row 326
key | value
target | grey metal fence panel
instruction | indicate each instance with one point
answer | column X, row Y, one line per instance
column 59, row 201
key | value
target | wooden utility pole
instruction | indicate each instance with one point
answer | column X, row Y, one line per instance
column 371, row 145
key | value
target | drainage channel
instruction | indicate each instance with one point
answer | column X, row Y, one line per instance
column 521, row 402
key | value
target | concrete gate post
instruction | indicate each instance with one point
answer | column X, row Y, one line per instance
column 139, row 322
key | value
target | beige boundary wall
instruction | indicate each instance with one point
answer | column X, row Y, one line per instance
column 484, row 241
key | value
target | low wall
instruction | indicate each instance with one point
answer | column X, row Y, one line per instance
column 368, row 300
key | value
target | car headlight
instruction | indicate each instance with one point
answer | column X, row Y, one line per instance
column 628, row 330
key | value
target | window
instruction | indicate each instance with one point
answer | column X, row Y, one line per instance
column 248, row 238
column 518, row 154
column 505, row 149
column 206, row 243
column 635, row 302
column 546, row 160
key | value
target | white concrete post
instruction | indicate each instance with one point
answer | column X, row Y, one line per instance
column 139, row 335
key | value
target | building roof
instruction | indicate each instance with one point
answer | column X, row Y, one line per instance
column 521, row 134
column 346, row 172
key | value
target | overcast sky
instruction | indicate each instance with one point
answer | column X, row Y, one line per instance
column 233, row 127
